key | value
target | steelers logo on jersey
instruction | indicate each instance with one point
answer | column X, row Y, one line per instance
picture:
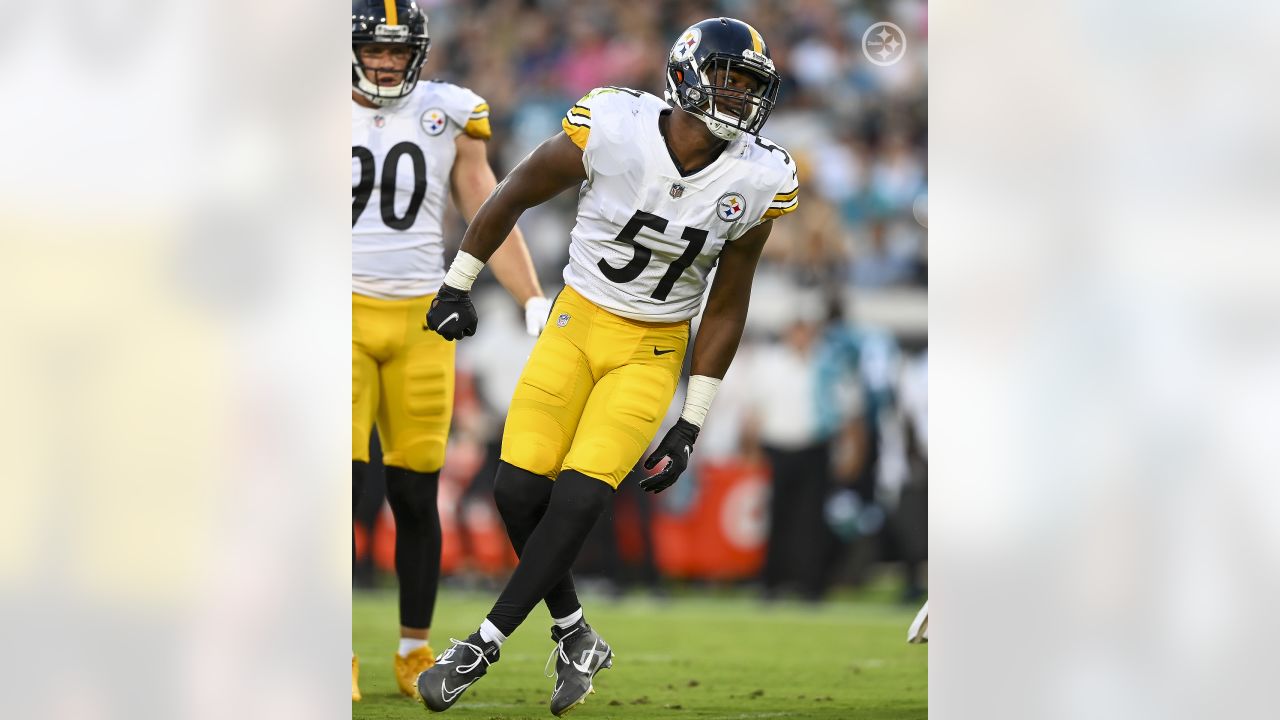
column 433, row 121
column 684, row 47
column 730, row 206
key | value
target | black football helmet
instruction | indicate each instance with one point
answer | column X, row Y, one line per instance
column 398, row 22
column 698, row 76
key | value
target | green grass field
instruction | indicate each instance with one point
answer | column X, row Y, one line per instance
column 708, row 656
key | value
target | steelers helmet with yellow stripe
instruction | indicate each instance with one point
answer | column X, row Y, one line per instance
column 705, row 76
column 391, row 22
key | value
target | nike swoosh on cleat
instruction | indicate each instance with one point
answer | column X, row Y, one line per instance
column 449, row 695
column 585, row 664
column 656, row 351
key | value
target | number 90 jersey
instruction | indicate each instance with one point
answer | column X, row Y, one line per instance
column 401, row 159
column 647, row 237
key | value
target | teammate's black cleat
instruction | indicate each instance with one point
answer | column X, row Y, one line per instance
column 456, row 670
column 580, row 653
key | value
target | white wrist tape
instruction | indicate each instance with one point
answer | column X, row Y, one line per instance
column 464, row 270
column 697, row 399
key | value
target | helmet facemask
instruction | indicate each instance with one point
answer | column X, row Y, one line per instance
column 363, row 77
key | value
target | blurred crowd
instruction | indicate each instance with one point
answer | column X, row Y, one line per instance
column 827, row 400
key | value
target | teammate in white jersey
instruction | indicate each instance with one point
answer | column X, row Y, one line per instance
column 412, row 145
column 669, row 190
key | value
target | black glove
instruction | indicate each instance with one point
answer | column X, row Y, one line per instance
column 677, row 445
column 452, row 314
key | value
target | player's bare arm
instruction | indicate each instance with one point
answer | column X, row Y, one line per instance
column 726, row 313
column 553, row 167
column 473, row 180
column 714, row 347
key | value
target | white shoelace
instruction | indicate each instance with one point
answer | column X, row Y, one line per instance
column 464, row 669
column 559, row 648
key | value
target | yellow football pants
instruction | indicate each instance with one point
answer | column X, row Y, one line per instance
column 402, row 377
column 593, row 393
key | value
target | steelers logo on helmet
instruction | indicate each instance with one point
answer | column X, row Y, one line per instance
column 730, row 206
column 433, row 121
column 686, row 45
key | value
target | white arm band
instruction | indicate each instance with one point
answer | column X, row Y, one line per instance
column 463, row 272
column 697, row 399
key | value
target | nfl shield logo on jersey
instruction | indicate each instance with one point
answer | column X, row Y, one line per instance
column 676, row 191
column 433, row 121
column 730, row 206
column 562, row 320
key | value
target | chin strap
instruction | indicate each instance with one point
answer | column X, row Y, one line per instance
column 725, row 132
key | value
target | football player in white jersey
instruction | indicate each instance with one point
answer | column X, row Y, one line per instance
column 412, row 145
column 668, row 190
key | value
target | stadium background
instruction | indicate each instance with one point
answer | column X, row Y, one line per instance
column 840, row 295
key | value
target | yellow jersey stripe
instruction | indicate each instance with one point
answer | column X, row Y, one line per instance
column 772, row 213
column 478, row 128
column 756, row 40
column 390, row 7
column 577, row 133
column 783, row 197
column 482, row 107
column 579, row 110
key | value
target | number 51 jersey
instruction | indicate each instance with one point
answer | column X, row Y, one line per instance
column 646, row 236
column 401, row 160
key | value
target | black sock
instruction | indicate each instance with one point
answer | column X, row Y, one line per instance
column 412, row 496
column 522, row 498
column 357, row 489
column 576, row 503
column 358, row 469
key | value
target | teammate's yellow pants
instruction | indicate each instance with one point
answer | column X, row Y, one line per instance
column 402, row 377
column 593, row 393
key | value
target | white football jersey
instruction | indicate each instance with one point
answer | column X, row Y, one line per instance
column 401, row 160
column 647, row 237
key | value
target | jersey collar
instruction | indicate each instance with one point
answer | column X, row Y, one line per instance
column 703, row 174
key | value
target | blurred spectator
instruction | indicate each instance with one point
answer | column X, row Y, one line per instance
column 890, row 254
column 910, row 522
column 789, row 420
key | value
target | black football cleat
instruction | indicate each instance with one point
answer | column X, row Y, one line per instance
column 580, row 653
column 456, row 670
